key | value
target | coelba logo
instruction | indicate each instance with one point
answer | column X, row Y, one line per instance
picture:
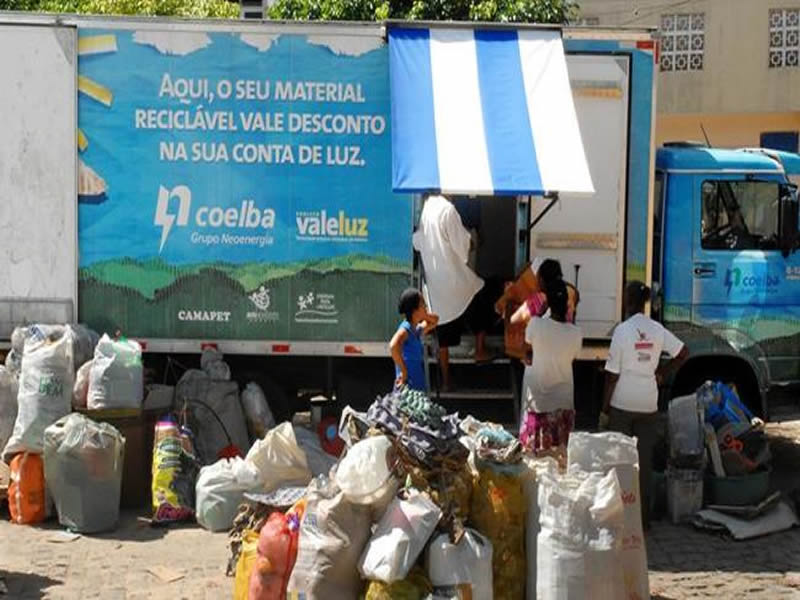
column 750, row 281
column 245, row 216
column 319, row 225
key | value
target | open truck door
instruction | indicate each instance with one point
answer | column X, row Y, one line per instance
column 488, row 114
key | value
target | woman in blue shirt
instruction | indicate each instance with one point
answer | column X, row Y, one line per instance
column 406, row 344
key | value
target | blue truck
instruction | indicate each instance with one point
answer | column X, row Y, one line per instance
column 726, row 266
column 249, row 187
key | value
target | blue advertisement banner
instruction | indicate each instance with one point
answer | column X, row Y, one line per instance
column 238, row 185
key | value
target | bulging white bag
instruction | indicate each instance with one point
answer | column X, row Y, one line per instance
column 116, row 378
column 8, row 404
column 579, row 544
column 45, row 393
column 462, row 570
column 220, row 490
column 256, row 411
column 333, row 534
column 535, row 468
column 83, row 463
column 604, row 452
column 279, row 460
column 399, row 538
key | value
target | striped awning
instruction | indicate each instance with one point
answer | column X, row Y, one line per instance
column 486, row 112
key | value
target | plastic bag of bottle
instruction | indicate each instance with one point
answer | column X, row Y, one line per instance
column 83, row 467
column 256, row 411
column 399, row 538
column 462, row 570
column 116, row 378
column 220, row 490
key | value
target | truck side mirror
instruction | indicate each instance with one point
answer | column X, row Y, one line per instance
column 788, row 219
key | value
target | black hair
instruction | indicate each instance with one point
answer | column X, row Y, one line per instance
column 549, row 272
column 409, row 301
column 556, row 293
column 636, row 296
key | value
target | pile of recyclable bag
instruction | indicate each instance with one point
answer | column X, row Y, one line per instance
column 83, row 469
column 368, row 525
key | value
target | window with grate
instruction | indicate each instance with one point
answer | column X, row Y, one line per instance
column 784, row 37
column 587, row 22
column 683, row 42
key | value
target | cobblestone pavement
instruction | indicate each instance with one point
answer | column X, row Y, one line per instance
column 684, row 563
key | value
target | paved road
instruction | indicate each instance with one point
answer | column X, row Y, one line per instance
column 684, row 563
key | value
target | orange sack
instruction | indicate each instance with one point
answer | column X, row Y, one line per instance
column 26, row 492
column 277, row 551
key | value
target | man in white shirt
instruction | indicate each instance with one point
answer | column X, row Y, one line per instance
column 444, row 244
column 630, row 402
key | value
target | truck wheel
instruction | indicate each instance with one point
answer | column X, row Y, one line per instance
column 735, row 372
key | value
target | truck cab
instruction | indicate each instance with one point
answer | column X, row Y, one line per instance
column 726, row 267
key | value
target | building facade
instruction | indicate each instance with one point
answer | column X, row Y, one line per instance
column 729, row 67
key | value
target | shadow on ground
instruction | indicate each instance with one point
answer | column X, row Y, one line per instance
column 26, row 586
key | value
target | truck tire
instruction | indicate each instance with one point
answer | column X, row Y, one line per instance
column 695, row 373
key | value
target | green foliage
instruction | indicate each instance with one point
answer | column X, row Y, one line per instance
column 510, row 11
column 177, row 8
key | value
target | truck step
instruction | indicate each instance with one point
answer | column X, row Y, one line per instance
column 474, row 394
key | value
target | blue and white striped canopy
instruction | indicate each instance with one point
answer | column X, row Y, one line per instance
column 486, row 112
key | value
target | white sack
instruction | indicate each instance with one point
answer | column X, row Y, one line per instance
column 579, row 545
column 602, row 452
column 333, row 534
column 220, row 490
column 45, row 393
column 399, row 538
column 454, row 567
column 279, row 459
column 116, row 378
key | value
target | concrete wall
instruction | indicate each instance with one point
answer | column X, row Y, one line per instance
column 736, row 93
column 733, row 130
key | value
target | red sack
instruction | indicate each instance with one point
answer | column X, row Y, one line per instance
column 26, row 491
column 277, row 552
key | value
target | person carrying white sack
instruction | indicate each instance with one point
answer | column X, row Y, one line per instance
column 633, row 374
